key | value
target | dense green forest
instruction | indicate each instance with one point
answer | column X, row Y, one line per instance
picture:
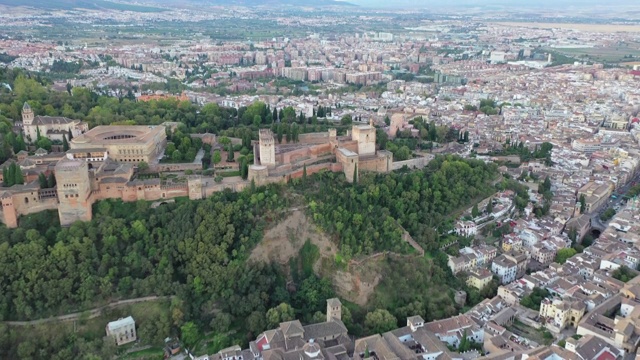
column 196, row 250
column 364, row 216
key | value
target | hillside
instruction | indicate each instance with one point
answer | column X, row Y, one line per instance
column 80, row 4
column 252, row 3
column 285, row 241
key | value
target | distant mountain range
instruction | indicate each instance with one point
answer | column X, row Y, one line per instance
column 250, row 3
column 483, row 3
column 110, row 5
column 80, row 4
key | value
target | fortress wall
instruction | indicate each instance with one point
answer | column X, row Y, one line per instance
column 377, row 164
column 108, row 191
column 294, row 155
column 34, row 207
column 314, row 138
column 129, row 194
column 151, row 192
column 175, row 167
column 3, row 220
column 322, row 149
column 233, row 186
column 306, row 152
column 312, row 170
column 417, row 163
column 73, row 210
column 349, row 145
column 168, row 193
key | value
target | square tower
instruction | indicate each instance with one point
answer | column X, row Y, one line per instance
column 267, row 148
column 74, row 190
column 334, row 309
column 365, row 135
column 27, row 115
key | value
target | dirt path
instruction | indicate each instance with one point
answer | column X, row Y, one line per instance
column 93, row 313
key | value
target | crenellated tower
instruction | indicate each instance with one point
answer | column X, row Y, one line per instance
column 267, row 148
column 74, row 191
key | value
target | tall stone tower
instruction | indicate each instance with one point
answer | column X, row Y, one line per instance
column 258, row 174
column 365, row 135
column 334, row 309
column 8, row 211
column 267, row 148
column 27, row 115
column 74, row 191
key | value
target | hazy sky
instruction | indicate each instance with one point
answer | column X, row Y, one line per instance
column 518, row 3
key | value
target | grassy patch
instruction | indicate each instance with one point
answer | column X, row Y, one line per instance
column 229, row 173
column 607, row 54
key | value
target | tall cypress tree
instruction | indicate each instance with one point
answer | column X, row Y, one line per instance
column 230, row 153
column 11, row 175
column 51, row 181
column 21, row 144
column 5, row 176
column 42, row 180
column 19, row 179
column 244, row 168
column 65, row 144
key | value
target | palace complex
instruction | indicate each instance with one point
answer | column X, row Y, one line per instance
column 102, row 164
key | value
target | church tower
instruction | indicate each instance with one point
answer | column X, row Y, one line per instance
column 334, row 309
column 27, row 115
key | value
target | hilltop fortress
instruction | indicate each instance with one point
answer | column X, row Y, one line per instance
column 102, row 164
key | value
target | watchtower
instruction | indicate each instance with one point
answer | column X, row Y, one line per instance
column 27, row 114
column 267, row 148
column 365, row 135
column 334, row 309
column 258, row 174
column 74, row 191
column 8, row 212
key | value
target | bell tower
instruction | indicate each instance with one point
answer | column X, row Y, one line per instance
column 27, row 114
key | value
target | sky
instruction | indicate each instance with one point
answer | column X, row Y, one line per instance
column 512, row 3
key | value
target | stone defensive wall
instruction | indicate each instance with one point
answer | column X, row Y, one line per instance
column 417, row 163
column 314, row 138
column 381, row 162
column 175, row 167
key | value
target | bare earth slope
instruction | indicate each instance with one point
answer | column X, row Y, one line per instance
column 283, row 241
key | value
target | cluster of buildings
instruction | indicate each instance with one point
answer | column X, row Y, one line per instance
column 330, row 340
column 588, row 113
column 102, row 163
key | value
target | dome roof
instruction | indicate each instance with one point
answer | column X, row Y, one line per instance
column 311, row 349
